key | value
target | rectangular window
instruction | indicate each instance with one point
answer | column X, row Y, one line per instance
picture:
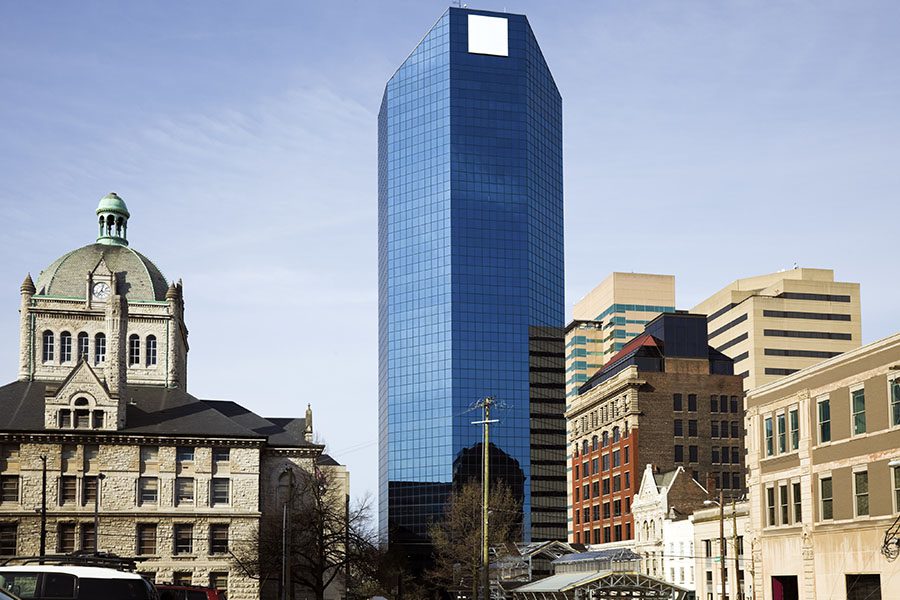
column 606, row 512
column 65, row 540
column 88, row 538
column 223, row 455
column 713, row 404
column 605, row 462
column 65, row 347
column 723, row 404
column 858, row 403
column 676, row 402
column 182, row 578
column 794, row 416
column 67, row 492
column 148, row 490
column 770, row 506
column 184, row 539
column 577, row 472
column 586, row 491
column 679, row 453
column 9, row 488
column 824, row 420
column 606, row 486
column 184, row 491
column 8, row 539
column 218, row 581
column 707, row 553
column 896, row 473
column 692, row 428
column 82, row 419
column 627, row 480
column 617, row 483
column 146, row 539
column 83, row 346
column 627, row 449
column 220, row 489
column 99, row 348
column 88, row 490
column 861, row 492
column 714, row 429
column 826, row 497
column 782, row 433
column 770, row 441
column 149, row 455
column 577, row 496
column 723, row 428
column 134, row 350
column 714, row 459
column 594, row 464
column 693, row 454
column 798, row 505
column 184, row 454
column 679, row 427
column 617, row 532
column 595, row 489
column 735, row 430
column 735, row 408
column 785, row 515
column 151, row 351
column 617, row 508
column 895, row 402
column 616, row 458
column 692, row 402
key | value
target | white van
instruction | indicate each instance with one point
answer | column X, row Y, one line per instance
column 62, row 582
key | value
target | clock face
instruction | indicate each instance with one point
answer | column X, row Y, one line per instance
column 101, row 291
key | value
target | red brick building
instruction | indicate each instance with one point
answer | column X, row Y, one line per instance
column 666, row 399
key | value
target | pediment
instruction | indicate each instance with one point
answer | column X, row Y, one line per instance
column 101, row 269
column 83, row 380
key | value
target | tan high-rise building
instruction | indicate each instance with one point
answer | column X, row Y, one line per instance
column 823, row 453
column 776, row 324
column 608, row 317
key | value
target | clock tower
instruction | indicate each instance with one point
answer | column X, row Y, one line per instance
column 106, row 308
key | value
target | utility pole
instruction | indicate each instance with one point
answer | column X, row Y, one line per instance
column 43, row 551
column 485, row 422
column 738, row 592
column 722, row 540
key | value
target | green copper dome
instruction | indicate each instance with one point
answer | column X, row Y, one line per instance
column 112, row 203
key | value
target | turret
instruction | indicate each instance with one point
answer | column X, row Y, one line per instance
column 112, row 220
column 26, row 333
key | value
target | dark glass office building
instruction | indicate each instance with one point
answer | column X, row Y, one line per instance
column 470, row 254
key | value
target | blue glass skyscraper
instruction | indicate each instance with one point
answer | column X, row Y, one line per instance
column 470, row 253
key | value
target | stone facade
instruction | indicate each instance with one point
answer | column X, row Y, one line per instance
column 135, row 465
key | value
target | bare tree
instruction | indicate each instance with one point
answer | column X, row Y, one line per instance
column 457, row 539
column 314, row 542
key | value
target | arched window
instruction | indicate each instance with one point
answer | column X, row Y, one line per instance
column 80, row 402
column 615, row 434
column 134, row 349
column 99, row 348
column 65, row 347
column 83, row 346
column 151, row 350
column 48, row 346
column 605, row 439
column 594, row 443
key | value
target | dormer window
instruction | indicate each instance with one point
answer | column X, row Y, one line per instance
column 65, row 419
column 80, row 416
column 99, row 349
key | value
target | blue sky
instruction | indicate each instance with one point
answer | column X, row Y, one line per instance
column 709, row 140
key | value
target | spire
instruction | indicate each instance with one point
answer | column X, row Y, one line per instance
column 308, row 430
column 28, row 286
column 112, row 220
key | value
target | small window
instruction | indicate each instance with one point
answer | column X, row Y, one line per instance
column 8, row 539
column 798, row 505
column 184, row 454
column 794, row 416
column 713, row 403
column 181, row 578
column 9, row 489
column 692, row 428
column 783, row 497
column 770, row 440
column 896, row 476
column 218, row 539
column 735, row 429
column 88, row 490
column 824, row 420
column 782, row 433
column 218, row 581
column 223, row 455
column 826, row 497
column 82, row 418
column 65, row 347
column 677, row 405
column 184, row 491
column 146, row 539
column 151, row 350
column 99, row 419
column 220, row 491
column 88, row 539
column 99, row 348
column 65, row 540
column 770, row 506
column 48, row 347
column 184, row 539
column 714, row 429
column 83, row 346
column 65, row 418
column 67, row 491
column 858, row 403
column 679, row 427
column 134, row 350
column 148, row 490
column 679, row 453
column 735, row 408
column 894, row 392
column 693, row 454
column 861, row 492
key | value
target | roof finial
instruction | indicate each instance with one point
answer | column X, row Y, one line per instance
column 28, row 285
column 113, row 220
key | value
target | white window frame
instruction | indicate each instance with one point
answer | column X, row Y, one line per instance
column 821, row 500
column 770, row 419
column 892, row 378
column 771, row 511
column 895, row 487
column 781, row 434
column 793, row 410
column 853, row 389
column 856, row 515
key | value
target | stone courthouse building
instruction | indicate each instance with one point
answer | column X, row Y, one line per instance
column 101, row 396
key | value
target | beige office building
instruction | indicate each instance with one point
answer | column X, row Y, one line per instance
column 824, row 461
column 776, row 324
column 608, row 317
